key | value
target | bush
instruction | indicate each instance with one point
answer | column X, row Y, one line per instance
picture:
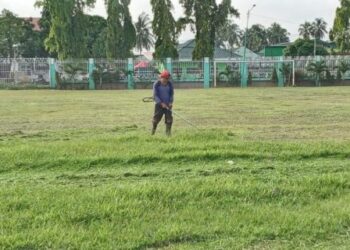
column 274, row 77
column 299, row 76
column 250, row 79
column 329, row 77
column 339, row 75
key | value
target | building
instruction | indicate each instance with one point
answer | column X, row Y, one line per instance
column 35, row 22
column 186, row 49
column 275, row 50
column 250, row 55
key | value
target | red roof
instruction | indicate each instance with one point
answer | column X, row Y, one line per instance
column 35, row 21
column 142, row 64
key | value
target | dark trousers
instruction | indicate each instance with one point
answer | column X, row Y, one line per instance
column 159, row 112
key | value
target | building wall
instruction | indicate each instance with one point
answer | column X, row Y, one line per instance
column 274, row 51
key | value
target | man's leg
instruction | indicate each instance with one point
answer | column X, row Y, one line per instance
column 158, row 114
column 168, row 121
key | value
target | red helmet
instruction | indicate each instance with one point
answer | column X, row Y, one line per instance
column 165, row 74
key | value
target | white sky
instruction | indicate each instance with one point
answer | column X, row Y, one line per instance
column 289, row 13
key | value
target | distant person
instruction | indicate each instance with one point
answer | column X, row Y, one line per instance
column 163, row 95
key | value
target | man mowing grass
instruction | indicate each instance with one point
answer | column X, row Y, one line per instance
column 163, row 95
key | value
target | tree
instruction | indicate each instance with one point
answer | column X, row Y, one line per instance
column 317, row 68
column 165, row 29
column 11, row 33
column 319, row 29
column 96, row 36
column 144, row 37
column 343, row 67
column 229, row 36
column 303, row 47
column 129, row 31
column 45, row 26
column 99, row 47
column 17, row 37
column 341, row 26
column 207, row 16
column 305, row 30
column 67, row 20
column 276, row 34
column 342, row 40
column 233, row 77
column 32, row 42
column 257, row 38
column 286, row 71
column 114, row 38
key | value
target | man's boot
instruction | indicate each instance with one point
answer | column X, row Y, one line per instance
column 168, row 129
column 154, row 129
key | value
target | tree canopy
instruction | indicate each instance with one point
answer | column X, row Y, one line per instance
column 165, row 29
column 304, row 47
column 340, row 32
column 207, row 16
column 17, row 37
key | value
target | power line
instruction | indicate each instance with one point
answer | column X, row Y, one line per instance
column 276, row 19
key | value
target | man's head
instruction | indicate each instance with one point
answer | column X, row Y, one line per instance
column 164, row 77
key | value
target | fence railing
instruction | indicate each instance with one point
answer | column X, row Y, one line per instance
column 129, row 73
column 24, row 71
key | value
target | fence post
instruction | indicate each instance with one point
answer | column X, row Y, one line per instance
column 92, row 85
column 131, row 73
column 52, row 73
column 280, row 74
column 244, row 74
column 206, row 73
column 318, row 79
column 169, row 65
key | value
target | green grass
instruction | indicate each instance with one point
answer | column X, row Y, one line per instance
column 268, row 169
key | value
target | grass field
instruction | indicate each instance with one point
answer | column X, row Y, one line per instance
column 268, row 169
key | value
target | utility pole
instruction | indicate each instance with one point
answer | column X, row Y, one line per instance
column 246, row 33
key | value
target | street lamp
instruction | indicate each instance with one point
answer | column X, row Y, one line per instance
column 246, row 32
column 246, row 37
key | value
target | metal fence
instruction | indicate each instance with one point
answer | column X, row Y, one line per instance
column 72, row 72
column 188, row 71
column 24, row 71
column 332, row 63
column 105, row 73
column 145, row 72
column 111, row 72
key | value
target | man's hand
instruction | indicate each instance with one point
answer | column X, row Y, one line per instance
column 170, row 106
column 163, row 105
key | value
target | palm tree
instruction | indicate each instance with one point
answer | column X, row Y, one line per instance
column 232, row 76
column 343, row 68
column 319, row 28
column 277, row 34
column 286, row 71
column 305, row 30
column 317, row 68
column 257, row 37
column 229, row 36
column 144, row 37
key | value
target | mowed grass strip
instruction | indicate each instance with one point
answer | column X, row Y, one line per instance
column 78, row 170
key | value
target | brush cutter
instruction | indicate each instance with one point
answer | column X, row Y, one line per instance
column 151, row 99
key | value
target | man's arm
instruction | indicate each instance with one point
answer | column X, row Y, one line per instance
column 155, row 94
column 171, row 94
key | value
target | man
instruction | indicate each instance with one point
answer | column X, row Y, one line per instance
column 163, row 94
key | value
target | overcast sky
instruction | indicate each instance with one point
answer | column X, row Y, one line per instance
column 289, row 13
